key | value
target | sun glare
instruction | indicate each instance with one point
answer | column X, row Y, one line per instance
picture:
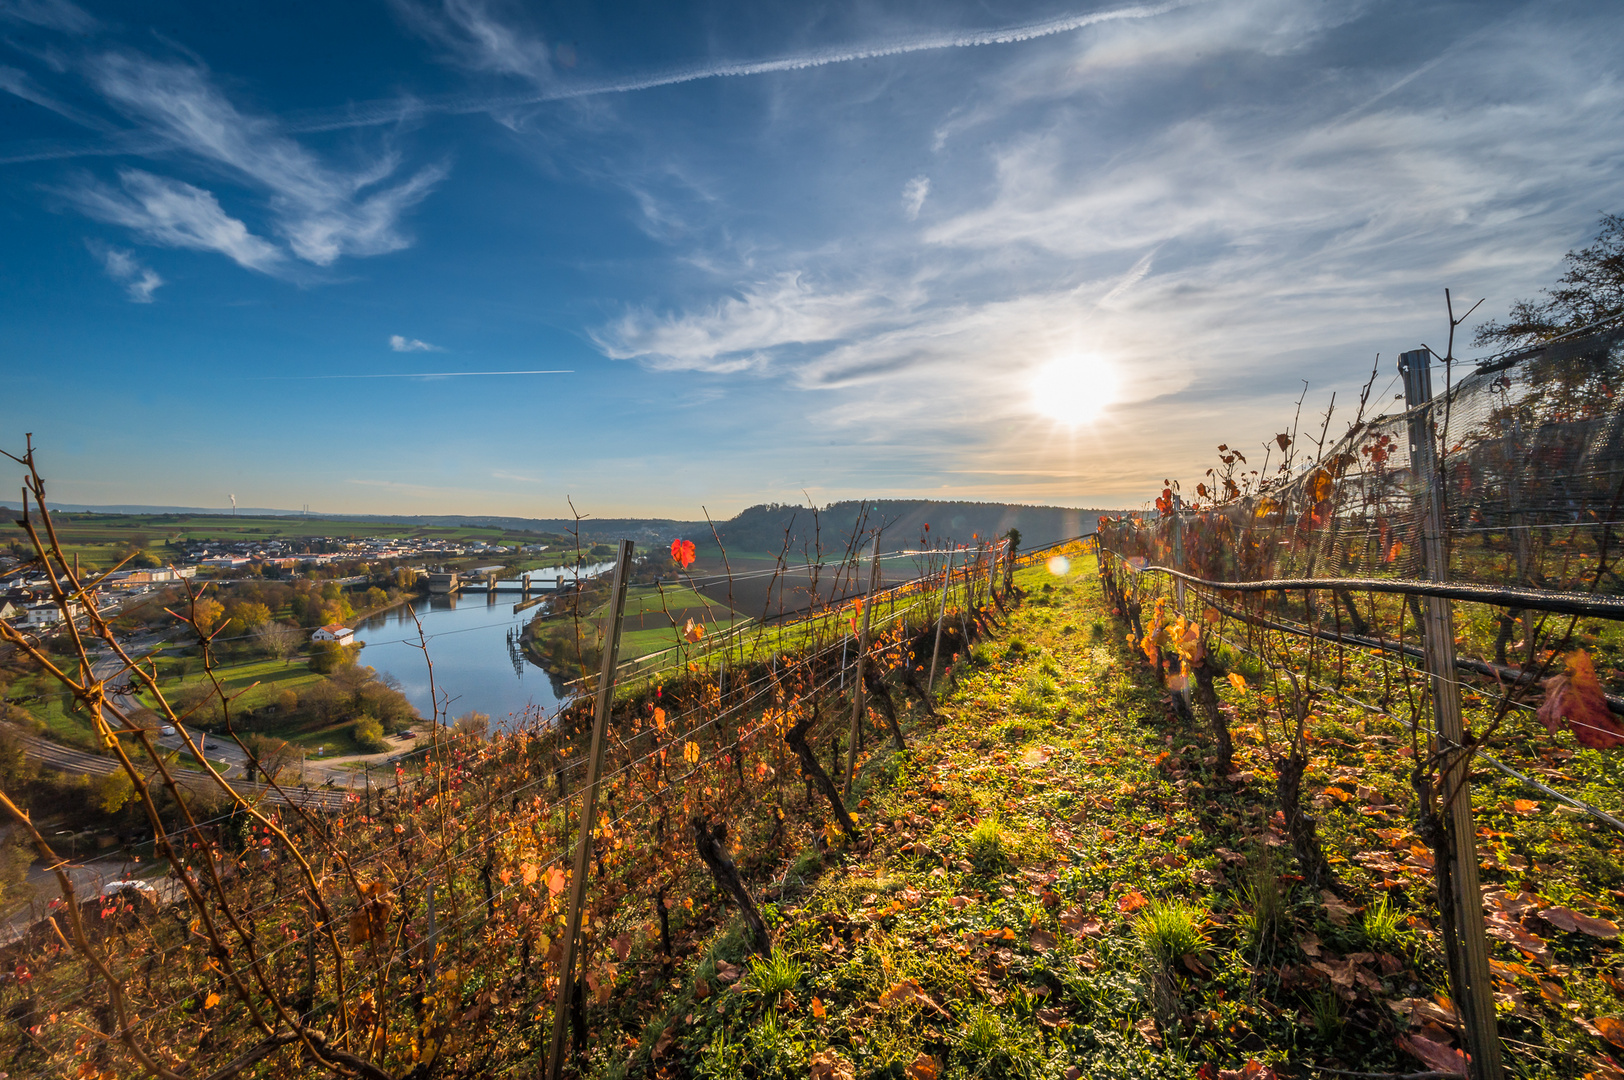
column 1073, row 390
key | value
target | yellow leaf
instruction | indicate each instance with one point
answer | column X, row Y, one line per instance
column 1238, row 681
column 529, row 872
column 211, row 1001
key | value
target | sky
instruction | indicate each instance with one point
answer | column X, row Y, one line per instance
column 476, row 257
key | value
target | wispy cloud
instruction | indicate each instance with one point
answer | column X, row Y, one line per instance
column 322, row 212
column 175, row 214
column 51, row 14
column 914, row 193
column 139, row 281
column 417, row 375
column 406, row 344
column 739, row 332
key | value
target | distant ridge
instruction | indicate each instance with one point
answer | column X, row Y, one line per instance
column 760, row 528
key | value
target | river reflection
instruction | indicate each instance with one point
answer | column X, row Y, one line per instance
column 473, row 640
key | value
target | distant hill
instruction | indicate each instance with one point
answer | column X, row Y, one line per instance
column 902, row 524
column 757, row 529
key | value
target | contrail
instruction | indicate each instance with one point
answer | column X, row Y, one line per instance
column 394, row 110
column 418, row 375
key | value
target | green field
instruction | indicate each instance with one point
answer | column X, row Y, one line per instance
column 271, row 676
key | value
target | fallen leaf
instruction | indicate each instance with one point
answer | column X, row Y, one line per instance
column 1132, row 902
column 1436, row 1055
column 1611, row 1028
column 818, row 1011
column 1041, row 939
column 1050, row 1017
column 211, row 1001
column 829, row 1065
column 923, row 1067
column 1566, row 919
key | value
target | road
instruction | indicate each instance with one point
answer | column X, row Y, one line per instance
column 68, row 759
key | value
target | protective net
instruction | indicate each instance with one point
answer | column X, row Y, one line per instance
column 1530, row 453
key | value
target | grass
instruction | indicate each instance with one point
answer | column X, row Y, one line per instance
column 1170, row 929
column 1052, row 847
column 258, row 681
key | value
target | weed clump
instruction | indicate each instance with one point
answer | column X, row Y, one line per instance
column 986, row 845
column 1383, row 925
column 1168, row 929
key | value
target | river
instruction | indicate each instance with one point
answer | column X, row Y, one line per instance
column 473, row 639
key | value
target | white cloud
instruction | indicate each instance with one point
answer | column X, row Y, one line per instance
column 740, row 333
column 475, row 38
column 176, row 214
column 406, row 344
column 139, row 281
column 51, row 14
column 323, row 212
column 914, row 193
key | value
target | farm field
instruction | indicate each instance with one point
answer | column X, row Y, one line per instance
column 100, row 540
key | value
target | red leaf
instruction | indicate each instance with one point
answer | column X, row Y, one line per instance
column 682, row 553
column 1574, row 700
column 1437, row 1056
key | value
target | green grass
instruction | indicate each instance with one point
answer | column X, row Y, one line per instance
column 272, row 677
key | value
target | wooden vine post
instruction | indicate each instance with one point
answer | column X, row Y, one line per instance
column 1475, row 995
column 859, row 692
column 936, row 650
column 589, row 809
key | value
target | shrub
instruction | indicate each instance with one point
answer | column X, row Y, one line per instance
column 368, row 735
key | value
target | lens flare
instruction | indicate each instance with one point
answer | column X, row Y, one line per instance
column 1073, row 390
column 1059, row 566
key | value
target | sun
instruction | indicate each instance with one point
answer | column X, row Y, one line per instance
column 1073, row 390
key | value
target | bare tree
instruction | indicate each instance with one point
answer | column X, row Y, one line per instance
column 278, row 639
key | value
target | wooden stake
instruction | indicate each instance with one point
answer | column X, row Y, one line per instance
column 859, row 692
column 589, row 810
column 1476, row 996
column 936, row 652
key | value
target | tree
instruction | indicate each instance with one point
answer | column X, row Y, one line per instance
column 474, row 726
column 113, row 791
column 1592, row 289
column 271, row 754
column 250, row 614
column 327, row 657
column 278, row 639
column 368, row 735
column 204, row 614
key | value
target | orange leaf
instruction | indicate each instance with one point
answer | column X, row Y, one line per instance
column 1132, row 902
column 1611, row 1028
column 693, row 631
column 211, row 1001
column 924, row 1067
column 682, row 553
column 556, row 880
column 1238, row 681
column 818, row 1011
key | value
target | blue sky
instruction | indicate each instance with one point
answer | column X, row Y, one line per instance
column 1042, row 252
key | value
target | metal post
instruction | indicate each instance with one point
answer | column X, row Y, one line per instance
column 1476, row 997
column 859, row 695
column 936, row 652
column 589, row 810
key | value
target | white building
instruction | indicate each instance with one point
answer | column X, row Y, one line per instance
column 335, row 632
